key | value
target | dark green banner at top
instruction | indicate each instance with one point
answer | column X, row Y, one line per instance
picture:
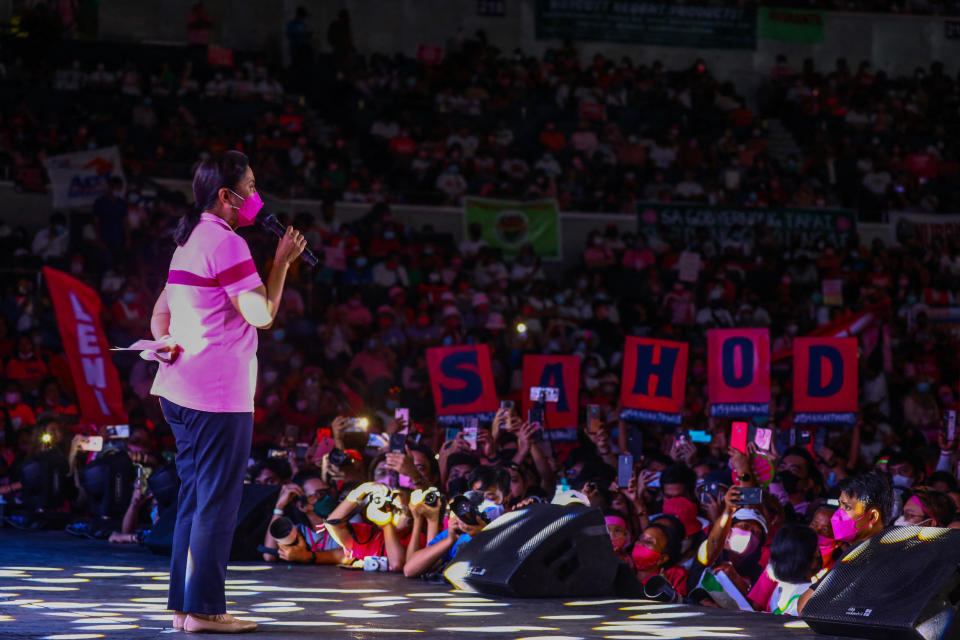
column 650, row 23
column 803, row 227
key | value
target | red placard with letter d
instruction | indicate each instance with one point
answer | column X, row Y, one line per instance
column 825, row 380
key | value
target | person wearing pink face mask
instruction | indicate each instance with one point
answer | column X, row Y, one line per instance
column 657, row 552
column 620, row 534
column 208, row 315
column 866, row 505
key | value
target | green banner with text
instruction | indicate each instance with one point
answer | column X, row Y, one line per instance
column 508, row 224
column 791, row 226
column 792, row 25
column 665, row 24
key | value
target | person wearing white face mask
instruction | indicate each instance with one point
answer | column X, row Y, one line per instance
column 927, row 509
column 906, row 471
column 735, row 543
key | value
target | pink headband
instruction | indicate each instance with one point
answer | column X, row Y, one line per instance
column 615, row 520
column 915, row 500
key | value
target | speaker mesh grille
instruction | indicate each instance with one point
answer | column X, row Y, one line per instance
column 887, row 581
column 545, row 533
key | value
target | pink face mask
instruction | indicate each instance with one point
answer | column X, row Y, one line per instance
column 644, row 557
column 826, row 546
column 844, row 527
column 248, row 209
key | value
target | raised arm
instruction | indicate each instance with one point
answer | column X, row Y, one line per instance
column 259, row 306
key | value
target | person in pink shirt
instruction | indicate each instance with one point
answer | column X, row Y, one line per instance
column 209, row 313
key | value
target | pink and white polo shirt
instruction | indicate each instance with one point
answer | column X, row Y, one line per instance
column 217, row 370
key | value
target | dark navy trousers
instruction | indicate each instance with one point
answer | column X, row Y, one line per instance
column 212, row 454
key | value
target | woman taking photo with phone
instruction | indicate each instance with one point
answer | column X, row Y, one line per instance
column 208, row 315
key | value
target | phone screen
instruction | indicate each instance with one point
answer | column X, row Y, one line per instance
column 624, row 470
column 700, row 437
column 398, row 442
column 593, row 418
column 377, row 441
column 751, row 496
column 402, row 415
column 451, row 433
column 763, row 438
column 118, row 431
column 91, row 443
column 950, row 425
column 738, row 436
column 535, row 415
column 324, row 446
column 470, row 435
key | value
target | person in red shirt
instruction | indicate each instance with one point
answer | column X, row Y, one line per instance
column 53, row 402
column 26, row 367
column 129, row 313
column 403, row 144
column 360, row 540
column 21, row 415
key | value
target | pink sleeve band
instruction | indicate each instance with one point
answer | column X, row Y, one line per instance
column 177, row 276
column 236, row 273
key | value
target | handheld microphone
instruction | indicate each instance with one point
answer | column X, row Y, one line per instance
column 270, row 223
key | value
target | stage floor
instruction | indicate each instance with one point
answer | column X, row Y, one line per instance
column 55, row 586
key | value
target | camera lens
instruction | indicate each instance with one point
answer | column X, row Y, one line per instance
column 283, row 531
column 465, row 510
column 338, row 458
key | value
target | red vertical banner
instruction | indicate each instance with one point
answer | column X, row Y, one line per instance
column 654, row 379
column 78, row 316
column 462, row 380
column 739, row 370
column 825, row 378
column 561, row 373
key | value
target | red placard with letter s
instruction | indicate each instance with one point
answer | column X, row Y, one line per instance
column 462, row 380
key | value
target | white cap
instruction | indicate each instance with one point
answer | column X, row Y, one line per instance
column 744, row 513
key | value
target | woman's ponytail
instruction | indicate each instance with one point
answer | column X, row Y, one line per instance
column 188, row 221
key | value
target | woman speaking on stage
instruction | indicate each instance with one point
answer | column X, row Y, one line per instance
column 208, row 313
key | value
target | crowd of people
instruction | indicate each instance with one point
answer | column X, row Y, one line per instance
column 347, row 349
column 349, row 344
column 599, row 134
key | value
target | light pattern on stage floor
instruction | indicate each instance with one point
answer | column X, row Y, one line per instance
column 128, row 600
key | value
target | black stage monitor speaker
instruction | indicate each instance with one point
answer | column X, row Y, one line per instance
column 256, row 510
column 902, row 583
column 542, row 551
